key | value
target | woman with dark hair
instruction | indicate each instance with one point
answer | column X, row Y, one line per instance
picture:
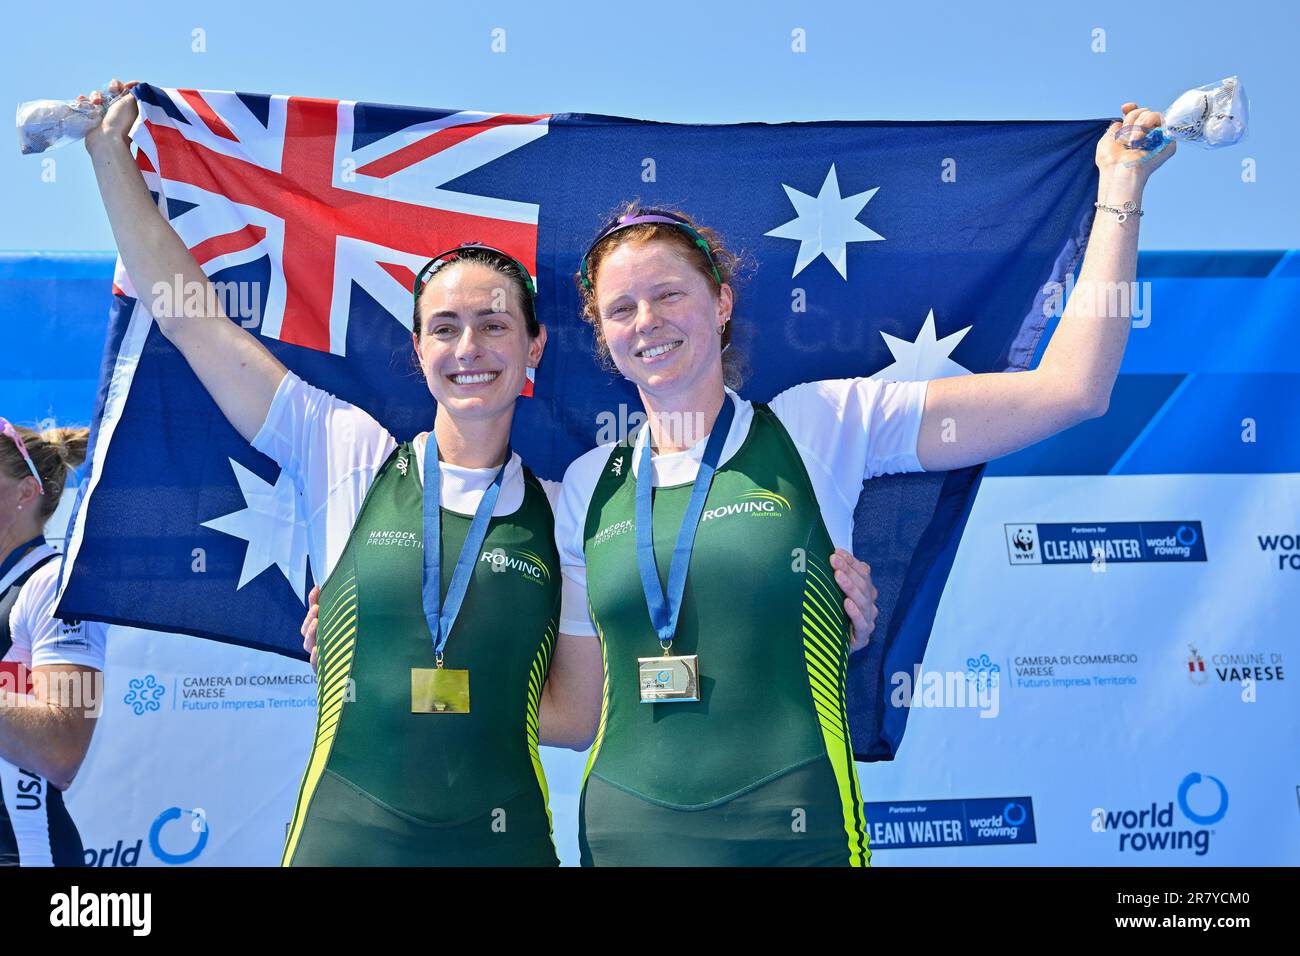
column 50, row 670
column 701, row 555
column 440, row 582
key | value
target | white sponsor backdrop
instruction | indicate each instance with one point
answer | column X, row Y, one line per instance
column 1109, row 723
column 1076, row 747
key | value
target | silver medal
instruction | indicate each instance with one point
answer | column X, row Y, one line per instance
column 665, row 678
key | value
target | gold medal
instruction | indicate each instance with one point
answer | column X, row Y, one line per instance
column 439, row 690
column 667, row 678
column 443, row 690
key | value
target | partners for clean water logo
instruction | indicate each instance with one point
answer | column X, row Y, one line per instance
column 1125, row 542
column 1202, row 800
column 981, row 821
column 144, row 694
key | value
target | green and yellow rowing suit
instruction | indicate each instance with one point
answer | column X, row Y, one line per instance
column 385, row 786
column 760, row 771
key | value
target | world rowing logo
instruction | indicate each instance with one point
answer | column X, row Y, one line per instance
column 1201, row 798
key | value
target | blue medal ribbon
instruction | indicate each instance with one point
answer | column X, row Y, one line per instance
column 664, row 611
column 442, row 616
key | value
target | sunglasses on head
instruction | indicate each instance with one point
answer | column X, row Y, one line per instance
column 643, row 216
column 8, row 429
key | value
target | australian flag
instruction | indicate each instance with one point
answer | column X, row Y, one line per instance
column 903, row 250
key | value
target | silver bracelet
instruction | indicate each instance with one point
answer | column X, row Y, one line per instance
column 1130, row 208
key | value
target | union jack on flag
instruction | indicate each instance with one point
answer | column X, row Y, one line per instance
column 329, row 194
column 865, row 261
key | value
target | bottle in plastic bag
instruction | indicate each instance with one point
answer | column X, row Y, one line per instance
column 46, row 124
column 1211, row 116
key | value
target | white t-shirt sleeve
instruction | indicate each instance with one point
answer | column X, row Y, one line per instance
column 43, row 638
column 570, row 525
column 855, row 428
column 332, row 451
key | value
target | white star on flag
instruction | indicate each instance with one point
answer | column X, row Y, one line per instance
column 270, row 525
column 825, row 224
column 925, row 358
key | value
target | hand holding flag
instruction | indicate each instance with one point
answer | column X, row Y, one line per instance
column 118, row 120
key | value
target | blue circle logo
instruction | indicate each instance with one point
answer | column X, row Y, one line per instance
column 1010, row 811
column 1205, row 820
column 1186, row 535
column 663, row 677
column 155, row 831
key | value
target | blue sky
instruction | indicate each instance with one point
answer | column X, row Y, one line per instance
column 693, row 62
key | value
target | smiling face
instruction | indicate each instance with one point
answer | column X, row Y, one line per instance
column 660, row 317
column 473, row 344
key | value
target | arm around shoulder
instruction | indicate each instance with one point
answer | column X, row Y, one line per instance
column 571, row 699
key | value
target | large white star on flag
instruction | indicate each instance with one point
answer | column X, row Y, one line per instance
column 826, row 224
column 925, row 358
column 270, row 525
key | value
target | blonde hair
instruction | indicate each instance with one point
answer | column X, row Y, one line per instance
column 55, row 452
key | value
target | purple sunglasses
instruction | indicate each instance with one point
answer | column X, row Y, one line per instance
column 8, row 429
column 648, row 216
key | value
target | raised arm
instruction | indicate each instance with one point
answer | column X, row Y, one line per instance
column 974, row 418
column 235, row 368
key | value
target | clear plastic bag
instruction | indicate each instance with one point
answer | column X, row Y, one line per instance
column 47, row 124
column 1211, row 116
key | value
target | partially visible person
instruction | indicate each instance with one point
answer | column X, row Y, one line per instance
column 50, row 670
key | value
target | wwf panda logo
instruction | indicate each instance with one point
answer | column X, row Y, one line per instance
column 1023, row 540
column 70, row 632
